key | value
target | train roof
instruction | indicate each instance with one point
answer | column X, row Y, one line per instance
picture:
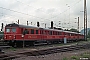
column 18, row 25
column 24, row 26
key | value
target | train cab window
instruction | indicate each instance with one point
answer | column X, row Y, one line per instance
column 13, row 29
column 32, row 31
column 7, row 30
column 36, row 31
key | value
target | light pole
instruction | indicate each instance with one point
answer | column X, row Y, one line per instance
column 44, row 24
column 17, row 21
column 29, row 23
column 85, row 21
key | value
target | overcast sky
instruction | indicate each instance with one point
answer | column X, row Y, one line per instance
column 61, row 12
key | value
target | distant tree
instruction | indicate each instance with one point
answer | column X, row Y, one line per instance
column 88, row 34
column 1, row 35
column 74, row 30
column 1, row 32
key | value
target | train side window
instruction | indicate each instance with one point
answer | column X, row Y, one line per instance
column 59, row 33
column 7, row 30
column 47, row 32
column 32, row 31
column 40, row 32
column 36, row 31
column 50, row 32
column 56, row 33
column 22, row 30
column 53, row 32
column 29, row 31
column 70, row 35
column 25, row 32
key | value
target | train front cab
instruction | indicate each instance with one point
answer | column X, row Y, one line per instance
column 9, row 34
column 16, row 35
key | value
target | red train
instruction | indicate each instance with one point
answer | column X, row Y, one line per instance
column 15, row 34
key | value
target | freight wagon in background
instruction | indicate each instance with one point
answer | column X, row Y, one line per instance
column 15, row 34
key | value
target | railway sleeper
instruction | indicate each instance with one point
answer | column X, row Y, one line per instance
column 72, row 47
column 46, row 52
column 54, row 51
column 63, row 50
column 41, row 52
column 4, row 55
column 79, row 47
column 8, row 57
column 51, row 51
column 35, row 53
column 28, row 54
column 76, row 48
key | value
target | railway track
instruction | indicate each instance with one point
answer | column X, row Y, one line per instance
column 40, row 52
column 52, row 50
column 4, row 45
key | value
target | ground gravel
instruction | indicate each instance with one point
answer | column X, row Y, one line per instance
column 55, row 56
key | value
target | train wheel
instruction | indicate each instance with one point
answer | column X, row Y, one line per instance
column 49, row 42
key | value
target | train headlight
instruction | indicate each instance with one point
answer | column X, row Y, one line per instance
column 22, row 35
column 5, row 37
column 14, row 37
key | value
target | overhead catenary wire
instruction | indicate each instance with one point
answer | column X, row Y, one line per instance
column 73, row 4
column 23, row 13
column 36, row 16
column 32, row 15
column 66, row 10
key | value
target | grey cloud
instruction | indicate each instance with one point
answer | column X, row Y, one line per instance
column 46, row 11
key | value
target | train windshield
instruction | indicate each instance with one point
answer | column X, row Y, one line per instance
column 7, row 29
column 13, row 29
column 10, row 30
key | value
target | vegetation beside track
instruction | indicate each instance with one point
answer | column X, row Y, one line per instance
column 83, row 56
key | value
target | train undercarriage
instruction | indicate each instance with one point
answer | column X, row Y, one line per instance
column 27, row 43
